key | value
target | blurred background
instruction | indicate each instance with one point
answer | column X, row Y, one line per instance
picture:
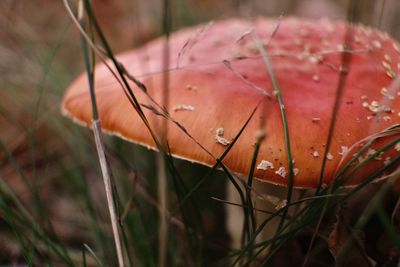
column 51, row 189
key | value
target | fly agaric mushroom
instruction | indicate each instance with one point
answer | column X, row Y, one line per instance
column 218, row 76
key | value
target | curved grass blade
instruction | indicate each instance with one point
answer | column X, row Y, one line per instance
column 278, row 94
column 93, row 254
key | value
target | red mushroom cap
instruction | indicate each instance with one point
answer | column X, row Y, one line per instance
column 217, row 76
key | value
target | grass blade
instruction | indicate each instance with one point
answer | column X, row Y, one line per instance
column 100, row 152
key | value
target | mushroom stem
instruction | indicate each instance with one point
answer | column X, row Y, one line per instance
column 268, row 197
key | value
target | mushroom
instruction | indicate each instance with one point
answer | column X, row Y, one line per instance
column 218, row 77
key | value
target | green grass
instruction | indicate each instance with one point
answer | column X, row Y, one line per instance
column 53, row 209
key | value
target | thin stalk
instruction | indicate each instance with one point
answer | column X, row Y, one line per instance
column 100, row 149
column 163, row 201
column 249, row 208
column 107, row 186
column 84, row 258
column 278, row 94
column 250, row 179
column 191, row 216
column 345, row 61
column 379, row 12
column 162, row 185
